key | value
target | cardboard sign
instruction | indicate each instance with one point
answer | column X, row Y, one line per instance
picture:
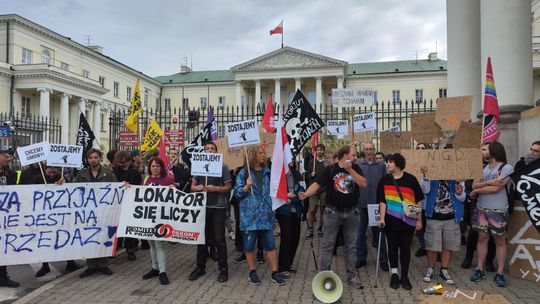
column 243, row 133
column 163, row 214
column 373, row 215
column 46, row 223
column 352, row 98
column 364, row 122
column 453, row 110
column 235, row 157
column 462, row 296
column 424, row 128
column 446, row 164
column 363, row 137
column 65, row 156
column 523, row 246
column 33, row 153
column 206, row 164
column 468, row 135
column 392, row 142
column 337, row 127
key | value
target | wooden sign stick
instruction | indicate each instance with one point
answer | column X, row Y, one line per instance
column 247, row 164
column 42, row 174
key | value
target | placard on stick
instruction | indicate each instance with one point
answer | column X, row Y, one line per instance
column 364, row 122
column 65, row 155
column 32, row 154
column 453, row 110
column 395, row 141
column 207, row 164
column 468, row 135
column 424, row 128
column 234, row 157
column 243, row 133
column 445, row 164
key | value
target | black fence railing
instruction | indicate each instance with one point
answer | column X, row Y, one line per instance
column 26, row 130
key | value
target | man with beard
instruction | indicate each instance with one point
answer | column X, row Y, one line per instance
column 7, row 177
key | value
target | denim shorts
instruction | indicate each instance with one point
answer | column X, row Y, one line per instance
column 266, row 237
column 490, row 220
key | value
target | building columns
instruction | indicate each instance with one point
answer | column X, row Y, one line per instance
column 239, row 91
column 257, row 92
column 277, row 91
column 318, row 91
column 44, row 102
column 340, row 82
column 97, row 120
column 297, row 84
column 64, row 118
column 81, row 104
column 17, row 102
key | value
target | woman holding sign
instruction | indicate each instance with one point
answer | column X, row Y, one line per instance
column 157, row 176
column 256, row 216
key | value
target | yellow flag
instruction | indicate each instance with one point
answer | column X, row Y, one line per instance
column 136, row 108
column 151, row 139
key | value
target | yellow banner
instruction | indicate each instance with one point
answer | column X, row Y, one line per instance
column 152, row 137
column 136, row 108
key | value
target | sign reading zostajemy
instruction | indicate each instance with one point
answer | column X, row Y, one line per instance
column 243, row 133
column 32, row 154
column 364, row 122
column 352, row 98
column 337, row 127
column 65, row 156
column 206, row 164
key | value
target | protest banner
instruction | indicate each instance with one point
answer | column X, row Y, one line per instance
column 337, row 127
column 163, row 214
column 424, row 128
column 206, row 164
column 234, row 157
column 65, row 156
column 32, row 154
column 523, row 245
column 445, row 164
column 364, row 122
column 352, row 98
column 468, row 135
column 373, row 215
column 301, row 122
column 462, row 296
column 47, row 223
column 392, row 142
column 453, row 110
column 243, row 133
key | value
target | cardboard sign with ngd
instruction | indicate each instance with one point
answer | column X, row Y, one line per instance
column 453, row 110
column 243, row 133
column 206, row 164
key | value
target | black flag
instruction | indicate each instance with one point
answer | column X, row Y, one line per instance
column 301, row 122
column 527, row 181
column 197, row 145
column 85, row 136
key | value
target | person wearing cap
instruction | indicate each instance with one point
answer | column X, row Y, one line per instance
column 7, row 177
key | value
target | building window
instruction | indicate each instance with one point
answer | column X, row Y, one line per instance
column 396, row 96
column 167, row 104
column 145, row 100
column 419, row 95
column 26, row 56
column 25, row 107
column 102, row 122
column 64, row 66
column 102, row 81
column 442, row 93
column 312, row 98
column 116, row 89
column 185, row 103
column 204, row 102
column 375, row 98
column 221, row 102
column 128, row 93
column 46, row 57
column 85, row 74
column 158, row 105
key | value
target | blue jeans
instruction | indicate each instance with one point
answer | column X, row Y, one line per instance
column 361, row 244
column 348, row 220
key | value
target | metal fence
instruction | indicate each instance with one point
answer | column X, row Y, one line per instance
column 388, row 114
column 26, row 130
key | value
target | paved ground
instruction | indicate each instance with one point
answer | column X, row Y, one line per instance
column 126, row 285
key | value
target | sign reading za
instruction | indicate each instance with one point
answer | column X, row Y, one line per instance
column 243, row 133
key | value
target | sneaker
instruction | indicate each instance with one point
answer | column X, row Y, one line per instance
column 151, row 274
column 106, row 270
column 406, row 284
column 163, row 279
column 478, row 275
column 278, row 279
column 240, row 259
column 319, row 231
column 197, row 273
column 254, row 278
column 394, row 281
column 467, row 263
column 260, row 257
column 309, row 233
column 223, row 275
column 285, row 274
column 420, row 253
column 6, row 282
column 445, row 277
column 355, row 283
column 429, row 275
column 87, row 272
column 43, row 270
column 500, row 280
column 72, row 266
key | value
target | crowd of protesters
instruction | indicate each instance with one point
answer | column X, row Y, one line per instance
column 340, row 189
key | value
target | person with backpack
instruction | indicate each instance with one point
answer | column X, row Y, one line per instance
column 491, row 212
column 342, row 180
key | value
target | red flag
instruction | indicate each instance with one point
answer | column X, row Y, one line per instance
column 281, row 158
column 268, row 118
column 278, row 29
column 314, row 141
column 491, row 107
column 163, row 153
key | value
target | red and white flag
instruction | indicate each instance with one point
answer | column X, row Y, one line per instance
column 268, row 122
column 281, row 158
column 278, row 29
column 163, row 153
column 314, row 142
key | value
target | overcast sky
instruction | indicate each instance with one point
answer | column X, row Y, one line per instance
column 155, row 36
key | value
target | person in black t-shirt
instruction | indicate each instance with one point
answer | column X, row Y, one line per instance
column 341, row 210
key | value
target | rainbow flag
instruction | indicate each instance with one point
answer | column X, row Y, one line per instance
column 491, row 107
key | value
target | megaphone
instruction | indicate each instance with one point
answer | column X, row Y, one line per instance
column 327, row 287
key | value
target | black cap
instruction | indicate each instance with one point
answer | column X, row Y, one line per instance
column 7, row 149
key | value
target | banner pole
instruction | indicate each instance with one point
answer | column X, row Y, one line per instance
column 42, row 174
column 247, row 164
column 483, row 123
column 62, row 175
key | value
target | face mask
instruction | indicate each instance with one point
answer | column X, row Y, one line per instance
column 529, row 158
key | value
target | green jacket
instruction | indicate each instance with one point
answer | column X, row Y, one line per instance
column 104, row 176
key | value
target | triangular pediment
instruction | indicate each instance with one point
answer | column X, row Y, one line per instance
column 288, row 58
